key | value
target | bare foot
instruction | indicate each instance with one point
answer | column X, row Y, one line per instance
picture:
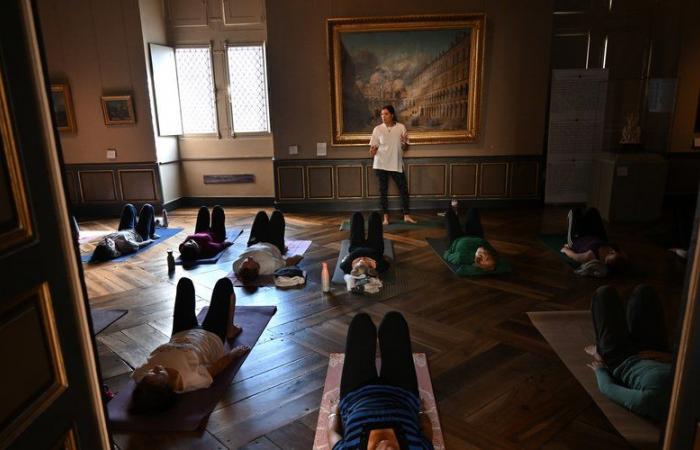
column 233, row 331
column 386, row 219
column 408, row 219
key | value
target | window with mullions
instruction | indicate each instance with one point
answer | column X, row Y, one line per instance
column 248, row 89
column 196, row 86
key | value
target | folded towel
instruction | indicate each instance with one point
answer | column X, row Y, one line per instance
column 289, row 281
column 362, row 284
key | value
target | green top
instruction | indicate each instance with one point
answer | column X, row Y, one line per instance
column 461, row 254
column 641, row 385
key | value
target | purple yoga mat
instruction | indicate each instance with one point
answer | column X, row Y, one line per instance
column 102, row 318
column 192, row 408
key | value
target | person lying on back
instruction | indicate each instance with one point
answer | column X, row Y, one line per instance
column 265, row 249
column 132, row 234
column 468, row 249
column 208, row 239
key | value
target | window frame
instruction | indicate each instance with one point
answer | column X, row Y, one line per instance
column 229, row 98
column 217, row 130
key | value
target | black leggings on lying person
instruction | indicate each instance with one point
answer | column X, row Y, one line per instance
column 268, row 229
column 397, row 368
column 371, row 246
column 216, row 320
column 216, row 223
column 472, row 226
column 144, row 225
column 623, row 332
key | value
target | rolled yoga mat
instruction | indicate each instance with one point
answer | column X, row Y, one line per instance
column 568, row 332
column 331, row 392
column 192, row 408
column 338, row 274
column 231, row 236
column 102, row 318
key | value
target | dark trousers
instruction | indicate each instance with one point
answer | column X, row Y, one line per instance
column 360, row 367
column 375, row 232
column 216, row 320
column 621, row 333
column 217, row 224
column 269, row 230
column 145, row 225
column 471, row 228
column 585, row 223
column 400, row 180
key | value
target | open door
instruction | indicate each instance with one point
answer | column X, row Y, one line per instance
column 49, row 387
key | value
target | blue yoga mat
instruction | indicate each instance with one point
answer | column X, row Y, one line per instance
column 164, row 234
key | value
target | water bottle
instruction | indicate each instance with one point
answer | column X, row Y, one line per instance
column 454, row 203
column 164, row 222
column 325, row 278
column 171, row 260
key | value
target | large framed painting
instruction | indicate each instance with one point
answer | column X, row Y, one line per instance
column 428, row 67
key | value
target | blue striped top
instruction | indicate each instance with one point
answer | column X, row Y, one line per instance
column 381, row 406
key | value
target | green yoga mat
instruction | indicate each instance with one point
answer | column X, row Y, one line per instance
column 555, row 242
column 401, row 226
column 440, row 245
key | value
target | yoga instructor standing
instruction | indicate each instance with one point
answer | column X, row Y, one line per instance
column 389, row 141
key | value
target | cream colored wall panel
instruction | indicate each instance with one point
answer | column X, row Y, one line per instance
column 242, row 147
column 170, row 178
column 186, row 13
column 193, row 175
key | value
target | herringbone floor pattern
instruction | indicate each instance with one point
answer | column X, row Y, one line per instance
column 497, row 382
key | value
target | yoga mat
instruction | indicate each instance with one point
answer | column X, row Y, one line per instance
column 568, row 332
column 164, row 234
column 90, row 235
column 555, row 242
column 401, row 225
column 440, row 246
column 331, row 391
column 338, row 273
column 231, row 235
column 192, row 408
column 296, row 247
column 102, row 318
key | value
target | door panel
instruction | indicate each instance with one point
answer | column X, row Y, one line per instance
column 49, row 387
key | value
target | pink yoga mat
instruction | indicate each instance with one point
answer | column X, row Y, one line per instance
column 331, row 391
column 192, row 408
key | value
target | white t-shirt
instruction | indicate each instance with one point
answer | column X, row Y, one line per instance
column 267, row 255
column 188, row 353
column 388, row 142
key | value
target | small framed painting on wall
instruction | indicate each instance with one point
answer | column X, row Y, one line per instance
column 63, row 107
column 118, row 110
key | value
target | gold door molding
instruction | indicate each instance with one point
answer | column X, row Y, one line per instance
column 21, row 230
column 37, row 401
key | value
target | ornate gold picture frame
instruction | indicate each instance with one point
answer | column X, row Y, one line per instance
column 63, row 112
column 428, row 67
column 118, row 110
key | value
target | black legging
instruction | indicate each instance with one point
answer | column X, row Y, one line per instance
column 400, row 180
column 269, row 230
column 585, row 223
column 372, row 246
column 471, row 228
column 360, row 367
column 622, row 333
column 217, row 225
column 146, row 224
column 216, row 320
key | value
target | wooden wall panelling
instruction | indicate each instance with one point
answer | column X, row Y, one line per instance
column 138, row 185
column 244, row 12
column 524, row 178
column 463, row 179
column 349, row 181
column 493, row 179
column 187, row 13
column 97, row 186
column 373, row 184
column 319, row 182
column 72, row 186
column 37, row 380
column 427, row 180
column 290, row 183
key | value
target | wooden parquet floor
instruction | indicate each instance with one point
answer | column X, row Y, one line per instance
column 497, row 382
